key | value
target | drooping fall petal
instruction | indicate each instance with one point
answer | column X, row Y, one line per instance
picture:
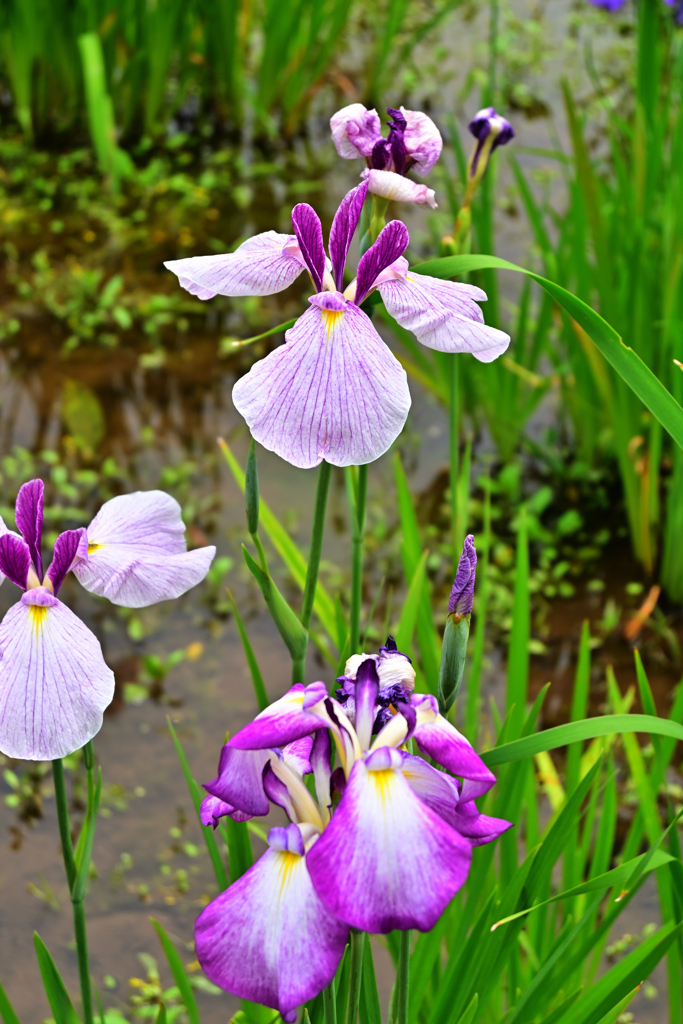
column 263, row 265
column 269, row 938
column 137, row 553
column 442, row 741
column 54, row 683
column 387, row 860
column 333, row 391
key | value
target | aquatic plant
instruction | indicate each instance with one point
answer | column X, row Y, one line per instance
column 302, row 401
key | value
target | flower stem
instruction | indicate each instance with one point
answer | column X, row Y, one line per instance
column 403, row 978
column 355, row 975
column 378, row 216
column 357, row 498
column 323, row 487
column 454, row 442
column 330, row 1004
column 71, row 873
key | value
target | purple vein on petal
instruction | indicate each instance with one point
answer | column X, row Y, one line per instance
column 28, row 514
column 391, row 243
column 309, row 233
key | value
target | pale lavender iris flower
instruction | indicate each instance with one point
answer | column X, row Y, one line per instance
column 414, row 144
column 385, row 843
column 54, row 683
column 334, row 390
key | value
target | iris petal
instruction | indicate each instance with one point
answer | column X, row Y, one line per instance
column 269, row 938
column 333, row 391
column 386, row 860
column 263, row 265
column 54, row 683
column 285, row 720
column 137, row 553
column 442, row 741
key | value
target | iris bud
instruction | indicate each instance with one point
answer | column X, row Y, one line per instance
column 251, row 495
column 457, row 631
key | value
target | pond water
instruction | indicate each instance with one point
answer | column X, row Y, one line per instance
column 148, row 852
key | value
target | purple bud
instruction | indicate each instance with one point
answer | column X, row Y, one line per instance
column 611, row 5
column 462, row 592
column 487, row 123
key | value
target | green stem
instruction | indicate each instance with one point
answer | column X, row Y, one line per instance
column 70, row 868
column 453, row 443
column 357, row 530
column 355, row 976
column 261, row 553
column 323, row 487
column 378, row 216
column 330, row 1004
column 403, row 978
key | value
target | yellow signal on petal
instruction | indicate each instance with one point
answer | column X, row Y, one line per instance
column 331, row 318
column 94, row 547
column 287, row 863
column 36, row 614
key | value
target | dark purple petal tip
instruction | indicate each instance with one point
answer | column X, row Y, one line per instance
column 462, row 592
column 309, row 234
column 28, row 514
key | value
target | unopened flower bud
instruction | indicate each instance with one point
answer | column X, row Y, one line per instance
column 457, row 631
column 490, row 130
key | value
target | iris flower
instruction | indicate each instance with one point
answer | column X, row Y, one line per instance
column 334, row 390
column 414, row 144
column 54, row 683
column 386, row 842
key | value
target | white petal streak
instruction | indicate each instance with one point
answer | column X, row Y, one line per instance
column 443, row 315
column 263, row 265
column 333, row 391
column 54, row 683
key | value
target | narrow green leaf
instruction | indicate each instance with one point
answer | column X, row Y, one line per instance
column 195, row 795
column 470, row 1013
column 161, row 1016
column 613, row 1015
column 572, row 732
column 290, row 554
column 84, row 849
column 240, row 853
column 370, row 1010
column 518, row 657
column 179, row 973
column 406, row 626
column 287, row 622
column 256, row 677
column 6, row 1012
column 625, row 361
column 55, row 989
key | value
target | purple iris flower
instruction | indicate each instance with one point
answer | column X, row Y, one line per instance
column 490, row 130
column 54, row 683
column 385, row 843
column 414, row 144
column 334, row 390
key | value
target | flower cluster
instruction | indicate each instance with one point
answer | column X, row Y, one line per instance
column 334, row 390
column 386, row 842
column 54, row 682
column 414, row 144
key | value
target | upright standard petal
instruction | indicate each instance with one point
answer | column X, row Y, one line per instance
column 136, row 551
column 333, row 391
column 343, row 226
column 54, row 684
column 442, row 315
column 386, row 860
column 389, row 246
column 263, row 265
column 442, row 741
column 269, row 938
column 15, row 559
column 355, row 130
column 71, row 547
column 309, row 233
column 402, row 190
column 299, row 712
column 28, row 515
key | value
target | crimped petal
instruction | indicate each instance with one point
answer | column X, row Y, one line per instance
column 298, row 755
column 386, row 860
column 333, row 391
column 449, row 748
column 394, row 186
column 263, row 265
column 422, row 140
column 299, row 712
column 269, row 938
column 442, row 314
column 54, row 684
column 239, row 782
column 355, row 130
column 136, row 551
